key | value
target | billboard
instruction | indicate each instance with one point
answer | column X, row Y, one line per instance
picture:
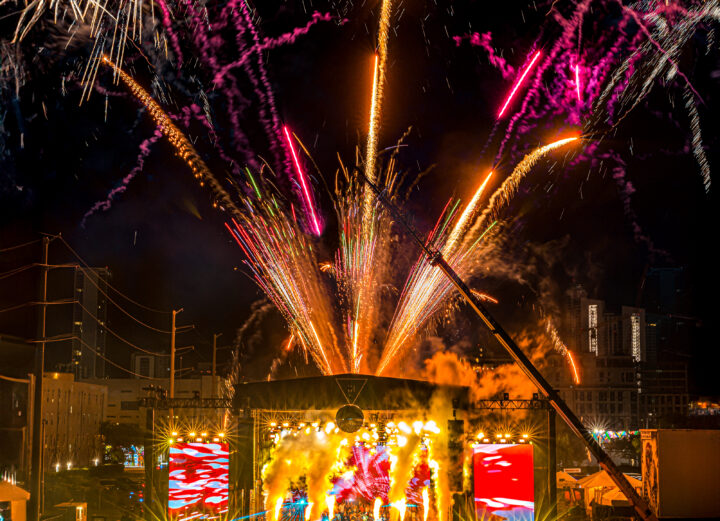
column 503, row 481
column 198, row 480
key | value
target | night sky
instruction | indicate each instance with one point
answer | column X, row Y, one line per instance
column 166, row 246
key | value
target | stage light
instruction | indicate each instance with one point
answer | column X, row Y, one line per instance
column 172, row 440
column 222, row 434
column 525, row 436
column 285, row 424
column 507, row 435
column 216, row 439
column 481, row 435
column 498, row 435
column 329, row 427
column 179, row 439
column 273, row 424
column 198, row 439
column 431, row 426
column 486, row 440
column 404, row 427
column 192, row 434
column 173, row 433
column 204, row 434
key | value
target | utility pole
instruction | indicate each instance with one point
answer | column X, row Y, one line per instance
column 36, row 466
column 214, row 361
column 172, row 362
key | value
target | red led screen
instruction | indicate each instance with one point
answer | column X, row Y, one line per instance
column 504, row 481
column 198, row 480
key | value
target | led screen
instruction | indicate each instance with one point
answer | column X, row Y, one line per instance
column 504, row 481
column 198, row 482
column 369, row 477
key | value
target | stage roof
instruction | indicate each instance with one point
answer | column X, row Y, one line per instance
column 331, row 392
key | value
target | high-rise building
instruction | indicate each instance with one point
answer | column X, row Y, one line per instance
column 150, row 366
column 621, row 388
column 89, row 320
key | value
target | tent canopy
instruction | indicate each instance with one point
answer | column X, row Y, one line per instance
column 10, row 492
column 565, row 480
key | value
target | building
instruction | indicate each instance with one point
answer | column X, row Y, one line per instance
column 150, row 366
column 124, row 395
column 89, row 320
column 71, row 417
column 72, row 414
column 623, row 385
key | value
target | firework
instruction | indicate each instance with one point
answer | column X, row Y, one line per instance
column 305, row 192
column 503, row 194
column 577, row 81
column 379, row 73
column 518, row 83
column 427, row 289
column 177, row 139
column 561, row 348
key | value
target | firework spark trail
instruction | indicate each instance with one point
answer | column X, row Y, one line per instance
column 361, row 258
column 285, row 268
column 303, row 182
column 577, row 81
column 272, row 43
column 105, row 205
column 427, row 289
column 460, row 228
column 282, row 261
column 377, row 94
column 532, row 96
column 208, row 49
column 626, row 189
column 267, row 97
column 697, row 144
column 644, row 66
column 167, row 22
column 178, row 140
column 561, row 348
column 503, row 194
column 484, row 41
column 518, row 83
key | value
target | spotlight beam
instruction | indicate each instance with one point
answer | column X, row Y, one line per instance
column 435, row 258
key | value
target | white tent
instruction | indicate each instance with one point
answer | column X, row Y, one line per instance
column 17, row 498
column 565, row 480
column 602, row 489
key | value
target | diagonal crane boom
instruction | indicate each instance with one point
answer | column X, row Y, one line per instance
column 606, row 463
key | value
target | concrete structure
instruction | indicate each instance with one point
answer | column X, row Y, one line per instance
column 72, row 414
column 150, row 366
column 681, row 471
column 622, row 387
column 124, row 394
column 89, row 319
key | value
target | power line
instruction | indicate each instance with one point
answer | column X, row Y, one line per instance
column 96, row 319
column 18, row 246
column 38, row 303
column 97, row 286
column 82, row 261
column 15, row 271
column 111, row 362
